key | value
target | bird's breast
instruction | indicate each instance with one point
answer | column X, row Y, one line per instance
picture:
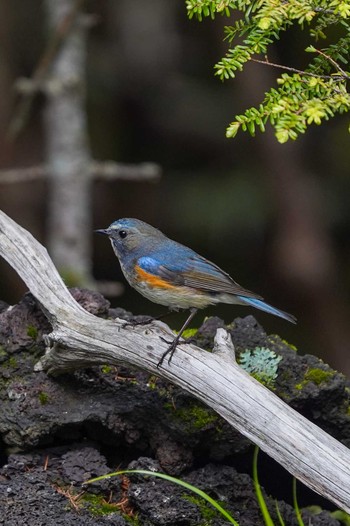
column 165, row 293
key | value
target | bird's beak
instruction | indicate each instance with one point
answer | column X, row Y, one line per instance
column 102, row 231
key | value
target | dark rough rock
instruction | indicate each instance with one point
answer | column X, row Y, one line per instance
column 35, row 490
column 3, row 305
column 131, row 414
column 172, row 456
column 31, row 495
column 23, row 325
column 304, row 382
column 91, row 301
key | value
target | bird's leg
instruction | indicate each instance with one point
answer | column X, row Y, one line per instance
column 172, row 346
column 146, row 322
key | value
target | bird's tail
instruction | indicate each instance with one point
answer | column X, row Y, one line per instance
column 259, row 304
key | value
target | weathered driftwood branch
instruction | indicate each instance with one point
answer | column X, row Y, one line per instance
column 80, row 339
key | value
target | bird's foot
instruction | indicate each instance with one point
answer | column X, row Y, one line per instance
column 136, row 323
column 173, row 345
column 170, row 350
column 149, row 319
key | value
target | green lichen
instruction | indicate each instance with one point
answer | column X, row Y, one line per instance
column 189, row 333
column 318, row 376
column 11, row 362
column 290, row 345
column 208, row 513
column 134, row 521
column 278, row 345
column 262, row 364
column 43, row 398
column 152, row 381
column 32, row 332
column 105, row 369
column 195, row 416
column 3, row 356
column 98, row 506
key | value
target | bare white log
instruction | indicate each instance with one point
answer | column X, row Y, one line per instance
column 79, row 339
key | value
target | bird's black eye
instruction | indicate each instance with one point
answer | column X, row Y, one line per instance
column 122, row 234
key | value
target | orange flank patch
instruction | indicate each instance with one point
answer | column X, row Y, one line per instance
column 153, row 280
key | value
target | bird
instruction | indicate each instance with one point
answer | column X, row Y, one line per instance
column 171, row 274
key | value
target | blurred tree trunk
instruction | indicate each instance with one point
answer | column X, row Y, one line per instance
column 9, row 199
column 302, row 250
column 68, row 154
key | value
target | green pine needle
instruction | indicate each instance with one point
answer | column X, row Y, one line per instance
column 302, row 97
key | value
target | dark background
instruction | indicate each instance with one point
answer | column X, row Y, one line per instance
column 276, row 217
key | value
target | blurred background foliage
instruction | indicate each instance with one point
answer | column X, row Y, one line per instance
column 276, row 217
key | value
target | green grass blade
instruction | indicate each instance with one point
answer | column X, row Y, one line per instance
column 180, row 482
column 263, row 508
column 296, row 505
column 341, row 516
column 280, row 518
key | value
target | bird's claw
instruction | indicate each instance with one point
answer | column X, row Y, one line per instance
column 166, row 341
column 135, row 323
column 170, row 350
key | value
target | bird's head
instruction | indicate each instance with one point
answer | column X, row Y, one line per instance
column 131, row 236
